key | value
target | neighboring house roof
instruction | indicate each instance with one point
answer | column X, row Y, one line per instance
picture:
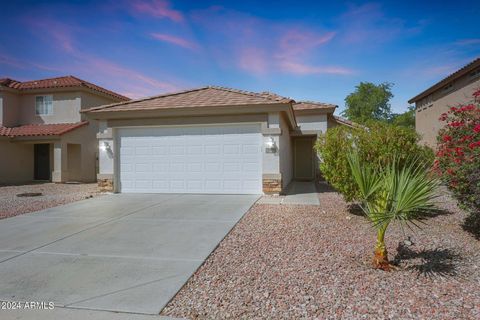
column 457, row 74
column 60, row 82
column 346, row 122
column 210, row 96
column 55, row 129
column 311, row 105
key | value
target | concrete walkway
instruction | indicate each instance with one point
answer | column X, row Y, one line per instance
column 124, row 253
column 297, row 193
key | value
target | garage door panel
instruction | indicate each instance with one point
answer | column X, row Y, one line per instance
column 210, row 159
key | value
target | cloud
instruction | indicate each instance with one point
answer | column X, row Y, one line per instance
column 181, row 42
column 303, row 69
column 156, row 8
column 260, row 46
column 468, row 42
column 254, row 60
column 369, row 25
column 130, row 82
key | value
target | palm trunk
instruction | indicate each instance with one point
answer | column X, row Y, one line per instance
column 380, row 259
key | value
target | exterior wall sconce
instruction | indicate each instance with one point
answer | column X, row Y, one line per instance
column 271, row 146
column 105, row 146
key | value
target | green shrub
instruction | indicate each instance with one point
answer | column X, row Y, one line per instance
column 377, row 145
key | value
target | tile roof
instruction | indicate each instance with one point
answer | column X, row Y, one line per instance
column 60, row 82
column 457, row 74
column 347, row 122
column 211, row 96
column 54, row 129
column 311, row 105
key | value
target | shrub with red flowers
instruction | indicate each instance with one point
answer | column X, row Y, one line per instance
column 458, row 155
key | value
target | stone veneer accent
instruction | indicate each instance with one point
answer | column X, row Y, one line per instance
column 105, row 185
column 272, row 186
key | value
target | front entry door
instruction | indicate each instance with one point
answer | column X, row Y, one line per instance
column 303, row 162
column 41, row 169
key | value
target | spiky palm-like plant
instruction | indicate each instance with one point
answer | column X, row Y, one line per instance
column 396, row 192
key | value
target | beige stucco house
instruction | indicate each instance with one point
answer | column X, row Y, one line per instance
column 43, row 135
column 209, row 140
column 455, row 89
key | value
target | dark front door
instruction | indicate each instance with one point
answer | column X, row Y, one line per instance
column 303, row 159
column 41, row 161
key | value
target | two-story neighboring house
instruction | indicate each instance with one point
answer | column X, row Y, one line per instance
column 43, row 135
column 455, row 89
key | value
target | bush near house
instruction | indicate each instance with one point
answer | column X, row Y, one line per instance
column 378, row 145
column 458, row 155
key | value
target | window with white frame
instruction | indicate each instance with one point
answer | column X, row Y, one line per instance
column 43, row 105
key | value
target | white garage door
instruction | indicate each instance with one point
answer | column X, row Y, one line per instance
column 207, row 159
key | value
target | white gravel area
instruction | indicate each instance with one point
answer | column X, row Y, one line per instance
column 307, row 262
column 53, row 195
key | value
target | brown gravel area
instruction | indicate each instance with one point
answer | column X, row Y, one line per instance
column 52, row 195
column 305, row 262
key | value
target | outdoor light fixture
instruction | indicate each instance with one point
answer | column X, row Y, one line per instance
column 270, row 145
column 105, row 146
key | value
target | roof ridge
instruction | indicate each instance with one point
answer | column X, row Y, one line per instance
column 314, row 102
column 452, row 76
column 251, row 93
column 144, row 99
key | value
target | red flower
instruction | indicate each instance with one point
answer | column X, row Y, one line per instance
column 476, row 129
column 447, row 138
column 455, row 124
column 474, row 144
column 450, row 171
column 443, row 117
column 453, row 109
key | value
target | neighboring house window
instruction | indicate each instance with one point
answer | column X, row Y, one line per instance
column 43, row 105
column 448, row 87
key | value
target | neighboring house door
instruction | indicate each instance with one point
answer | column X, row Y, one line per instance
column 41, row 161
column 303, row 159
column 191, row 159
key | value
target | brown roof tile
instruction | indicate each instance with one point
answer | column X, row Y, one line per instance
column 55, row 129
column 211, row 96
column 60, row 82
column 311, row 105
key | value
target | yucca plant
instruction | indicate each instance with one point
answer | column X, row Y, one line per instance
column 394, row 192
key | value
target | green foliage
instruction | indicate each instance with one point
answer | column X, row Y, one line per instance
column 393, row 192
column 406, row 119
column 378, row 145
column 369, row 102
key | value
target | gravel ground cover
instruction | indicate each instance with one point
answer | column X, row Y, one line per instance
column 306, row 262
column 52, row 195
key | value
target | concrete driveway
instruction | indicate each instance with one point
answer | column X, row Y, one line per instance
column 123, row 253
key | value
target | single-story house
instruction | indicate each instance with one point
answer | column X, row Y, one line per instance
column 209, row 140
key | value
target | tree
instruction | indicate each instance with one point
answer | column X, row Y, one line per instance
column 406, row 119
column 392, row 192
column 369, row 102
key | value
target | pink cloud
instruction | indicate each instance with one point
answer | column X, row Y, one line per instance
column 303, row 69
column 114, row 76
column 253, row 60
column 174, row 40
column 157, row 9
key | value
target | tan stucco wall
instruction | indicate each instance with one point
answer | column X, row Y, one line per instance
column 86, row 138
column 285, row 153
column 66, row 107
column 89, row 100
column 9, row 109
column 16, row 162
column 312, row 121
column 426, row 115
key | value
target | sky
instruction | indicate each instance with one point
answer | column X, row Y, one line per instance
column 306, row 50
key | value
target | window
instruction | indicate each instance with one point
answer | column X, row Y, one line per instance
column 43, row 105
column 448, row 87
